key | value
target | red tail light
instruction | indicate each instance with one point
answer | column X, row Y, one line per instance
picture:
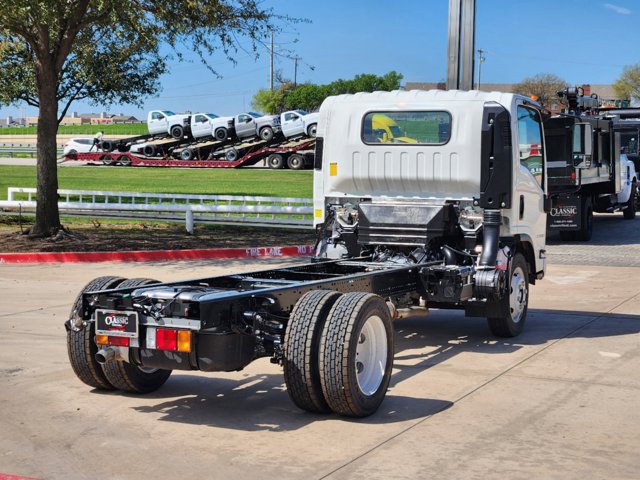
column 166, row 339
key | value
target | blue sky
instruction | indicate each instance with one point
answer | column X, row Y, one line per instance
column 582, row 41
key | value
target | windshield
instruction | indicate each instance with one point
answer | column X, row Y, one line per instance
column 301, row 112
column 211, row 115
column 168, row 113
column 255, row 115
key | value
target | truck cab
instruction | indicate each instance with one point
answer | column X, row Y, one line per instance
column 464, row 163
column 165, row 122
column 298, row 122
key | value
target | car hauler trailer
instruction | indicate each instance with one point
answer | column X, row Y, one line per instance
column 296, row 154
column 454, row 220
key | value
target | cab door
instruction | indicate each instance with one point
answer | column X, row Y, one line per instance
column 292, row 124
column 201, row 126
column 245, row 126
column 530, row 174
column 157, row 123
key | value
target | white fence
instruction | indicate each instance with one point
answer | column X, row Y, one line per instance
column 219, row 209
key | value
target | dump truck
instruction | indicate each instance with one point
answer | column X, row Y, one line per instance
column 452, row 221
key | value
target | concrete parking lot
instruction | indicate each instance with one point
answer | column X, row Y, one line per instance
column 560, row 401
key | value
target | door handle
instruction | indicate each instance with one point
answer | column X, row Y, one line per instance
column 521, row 207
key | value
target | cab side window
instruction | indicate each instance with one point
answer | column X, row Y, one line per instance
column 530, row 141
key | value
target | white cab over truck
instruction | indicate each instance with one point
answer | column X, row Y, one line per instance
column 454, row 220
column 298, row 123
column 165, row 122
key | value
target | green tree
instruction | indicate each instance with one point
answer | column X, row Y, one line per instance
column 544, row 86
column 627, row 87
column 106, row 51
column 268, row 101
column 310, row 96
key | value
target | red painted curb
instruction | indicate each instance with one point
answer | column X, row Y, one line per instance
column 4, row 476
column 154, row 255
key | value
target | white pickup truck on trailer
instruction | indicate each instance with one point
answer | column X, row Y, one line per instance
column 165, row 122
column 298, row 122
column 454, row 220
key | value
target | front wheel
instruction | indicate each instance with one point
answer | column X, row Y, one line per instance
column 312, row 130
column 356, row 354
column 514, row 304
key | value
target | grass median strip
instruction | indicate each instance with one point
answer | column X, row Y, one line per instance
column 256, row 182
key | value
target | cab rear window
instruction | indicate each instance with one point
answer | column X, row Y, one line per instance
column 420, row 128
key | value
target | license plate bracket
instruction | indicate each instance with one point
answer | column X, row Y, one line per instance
column 117, row 323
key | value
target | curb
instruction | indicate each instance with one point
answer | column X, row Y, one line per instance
column 154, row 255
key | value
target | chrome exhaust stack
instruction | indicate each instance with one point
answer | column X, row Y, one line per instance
column 105, row 355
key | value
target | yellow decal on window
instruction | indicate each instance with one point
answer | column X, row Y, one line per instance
column 333, row 169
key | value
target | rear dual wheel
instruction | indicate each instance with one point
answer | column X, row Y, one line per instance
column 345, row 352
column 81, row 346
column 114, row 374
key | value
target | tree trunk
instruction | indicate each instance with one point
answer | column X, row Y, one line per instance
column 47, row 215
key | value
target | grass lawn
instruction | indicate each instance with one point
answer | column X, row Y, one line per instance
column 116, row 129
column 210, row 181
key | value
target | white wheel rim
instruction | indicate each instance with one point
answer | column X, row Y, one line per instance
column 371, row 355
column 518, row 295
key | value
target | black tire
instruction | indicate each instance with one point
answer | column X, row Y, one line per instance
column 630, row 211
column 107, row 145
column 149, row 150
column 353, row 385
column 295, row 161
column 81, row 346
column 128, row 377
column 177, row 131
column 71, row 152
column 221, row 134
column 186, row 154
column 514, row 304
column 124, row 160
column 231, row 155
column 108, row 159
column 586, row 228
column 312, row 130
column 275, row 161
column 301, row 347
column 266, row 133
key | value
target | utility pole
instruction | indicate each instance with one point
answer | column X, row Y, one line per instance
column 461, row 52
column 271, row 64
column 295, row 71
column 481, row 59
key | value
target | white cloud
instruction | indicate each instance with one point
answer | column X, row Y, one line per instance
column 618, row 9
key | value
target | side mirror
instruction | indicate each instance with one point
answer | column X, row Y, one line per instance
column 582, row 145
